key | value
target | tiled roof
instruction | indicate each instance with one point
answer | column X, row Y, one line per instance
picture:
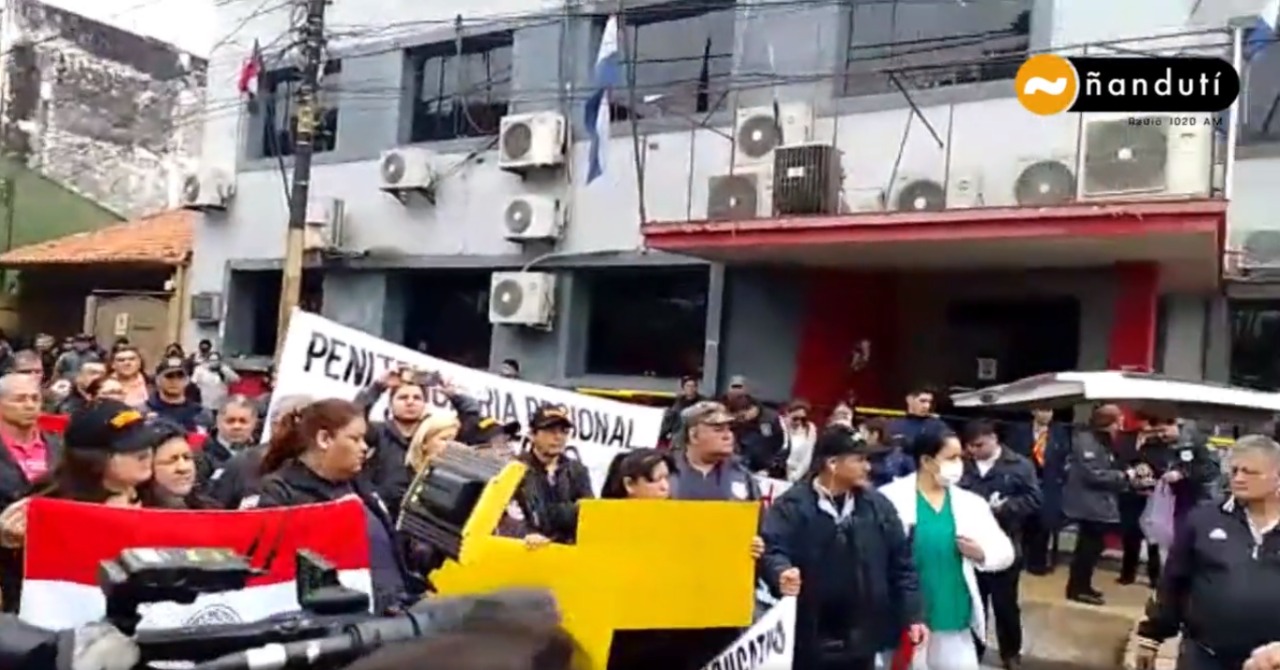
column 159, row 239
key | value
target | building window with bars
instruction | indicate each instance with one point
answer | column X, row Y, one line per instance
column 933, row 43
column 460, row 88
column 279, row 110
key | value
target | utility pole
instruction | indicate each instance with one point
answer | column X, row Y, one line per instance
column 311, row 33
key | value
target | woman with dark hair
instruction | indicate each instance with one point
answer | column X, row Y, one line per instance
column 107, row 459
column 639, row 473
column 316, row 455
column 953, row 534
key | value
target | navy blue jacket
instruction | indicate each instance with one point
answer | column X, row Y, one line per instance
column 795, row 531
column 1014, row 478
column 889, row 465
column 1053, row 476
column 904, row 430
column 188, row 414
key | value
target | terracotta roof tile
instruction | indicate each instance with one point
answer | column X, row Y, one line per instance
column 159, row 239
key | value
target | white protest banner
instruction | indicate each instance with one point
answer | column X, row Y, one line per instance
column 768, row 645
column 324, row 359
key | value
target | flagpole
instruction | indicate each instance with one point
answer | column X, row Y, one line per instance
column 312, row 33
column 633, row 108
column 1233, row 130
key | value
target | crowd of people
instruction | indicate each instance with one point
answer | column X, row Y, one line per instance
column 900, row 534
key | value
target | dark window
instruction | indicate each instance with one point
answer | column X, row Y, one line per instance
column 460, row 90
column 261, row 289
column 683, row 54
column 1260, row 101
column 1255, row 344
column 933, row 43
column 280, row 110
column 447, row 315
column 646, row 322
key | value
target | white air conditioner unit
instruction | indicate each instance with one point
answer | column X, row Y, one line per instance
column 866, row 200
column 745, row 194
column 531, row 141
column 913, row 193
column 522, row 299
column 1145, row 156
column 206, row 190
column 757, row 131
column 533, row 217
column 206, row 307
column 326, row 229
column 1047, row 181
column 408, row 170
column 964, row 190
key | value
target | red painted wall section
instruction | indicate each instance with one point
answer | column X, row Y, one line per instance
column 841, row 310
column 1133, row 327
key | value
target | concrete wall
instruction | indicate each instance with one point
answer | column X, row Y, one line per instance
column 105, row 112
column 990, row 139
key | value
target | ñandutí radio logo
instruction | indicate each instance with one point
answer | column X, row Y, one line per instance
column 1050, row 84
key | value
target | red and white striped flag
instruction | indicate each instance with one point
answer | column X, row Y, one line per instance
column 250, row 74
column 66, row 541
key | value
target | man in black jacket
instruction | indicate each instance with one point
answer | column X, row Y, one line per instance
column 237, row 483
column 843, row 540
column 688, row 397
column 554, row 483
column 1090, row 498
column 1006, row 480
column 1221, row 587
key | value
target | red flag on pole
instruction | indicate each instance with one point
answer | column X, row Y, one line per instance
column 249, row 77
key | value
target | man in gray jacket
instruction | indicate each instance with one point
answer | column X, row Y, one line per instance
column 1090, row 498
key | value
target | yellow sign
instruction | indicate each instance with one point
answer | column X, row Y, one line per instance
column 1047, row 84
column 634, row 566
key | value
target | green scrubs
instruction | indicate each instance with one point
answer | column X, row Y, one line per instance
column 946, row 597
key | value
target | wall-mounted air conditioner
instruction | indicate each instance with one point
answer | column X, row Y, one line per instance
column 522, row 299
column 531, row 141
column 914, row 193
column 745, row 194
column 326, row 224
column 207, row 190
column 964, row 190
column 1145, row 156
column 807, row 180
column 533, row 217
column 408, row 170
column 1044, row 181
column 757, row 131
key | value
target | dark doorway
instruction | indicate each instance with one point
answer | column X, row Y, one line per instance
column 1023, row 337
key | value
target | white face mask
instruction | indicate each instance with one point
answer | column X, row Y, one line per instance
column 950, row 472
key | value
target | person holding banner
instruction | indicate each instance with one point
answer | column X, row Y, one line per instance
column 406, row 408
column 107, row 459
column 837, row 544
column 953, row 535
column 316, row 457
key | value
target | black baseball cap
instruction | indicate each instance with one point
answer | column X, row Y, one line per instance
column 550, row 416
column 488, row 428
column 170, row 364
column 838, row 441
column 112, row 427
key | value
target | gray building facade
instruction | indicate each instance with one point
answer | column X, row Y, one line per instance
column 406, row 271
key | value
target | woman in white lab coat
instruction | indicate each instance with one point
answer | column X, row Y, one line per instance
column 953, row 534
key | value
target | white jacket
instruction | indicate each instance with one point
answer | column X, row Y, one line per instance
column 975, row 521
column 800, row 449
